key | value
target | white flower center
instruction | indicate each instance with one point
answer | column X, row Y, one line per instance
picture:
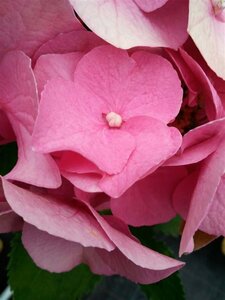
column 114, row 119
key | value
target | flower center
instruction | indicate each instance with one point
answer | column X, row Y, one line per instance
column 219, row 9
column 114, row 119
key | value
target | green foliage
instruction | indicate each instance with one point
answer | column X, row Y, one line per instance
column 167, row 289
column 8, row 157
column 29, row 282
column 171, row 228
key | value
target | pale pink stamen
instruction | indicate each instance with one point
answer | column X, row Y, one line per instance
column 114, row 119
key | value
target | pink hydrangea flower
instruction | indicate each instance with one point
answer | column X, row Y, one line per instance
column 206, row 26
column 60, row 233
column 129, row 23
column 111, row 114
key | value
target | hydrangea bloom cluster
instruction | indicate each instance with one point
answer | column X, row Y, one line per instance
column 124, row 114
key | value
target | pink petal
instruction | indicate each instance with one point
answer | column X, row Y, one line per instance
column 124, row 25
column 213, row 105
column 149, row 154
column 209, row 179
column 9, row 221
column 18, row 98
column 214, row 222
column 86, row 182
column 25, row 25
column 52, row 66
column 75, row 163
column 67, row 219
column 155, row 87
column 148, row 201
column 199, row 143
column 132, row 260
column 149, row 6
column 90, row 136
column 78, row 40
column 143, row 84
column 206, row 29
column 6, row 131
column 50, row 252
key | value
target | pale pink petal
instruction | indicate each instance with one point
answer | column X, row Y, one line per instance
column 67, row 219
column 149, row 154
column 78, row 40
column 50, row 252
column 208, row 33
column 149, row 201
column 85, row 130
column 151, row 5
column 124, row 25
column 18, row 97
column 206, row 187
column 199, row 143
column 52, row 66
column 26, row 24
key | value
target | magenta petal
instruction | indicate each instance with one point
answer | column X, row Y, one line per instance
column 150, row 153
column 65, row 219
column 51, row 66
column 208, row 181
column 124, row 25
column 149, row 201
column 90, row 136
column 49, row 252
column 25, row 25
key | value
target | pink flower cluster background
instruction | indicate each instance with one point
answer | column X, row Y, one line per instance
column 127, row 116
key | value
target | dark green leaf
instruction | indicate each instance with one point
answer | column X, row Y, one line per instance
column 8, row 157
column 171, row 228
column 167, row 289
column 29, row 282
